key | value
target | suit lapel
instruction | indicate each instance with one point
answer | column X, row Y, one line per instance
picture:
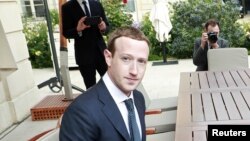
column 78, row 8
column 93, row 8
column 111, row 110
column 141, row 112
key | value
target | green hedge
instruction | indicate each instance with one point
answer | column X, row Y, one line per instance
column 37, row 41
column 116, row 14
column 36, row 34
column 188, row 17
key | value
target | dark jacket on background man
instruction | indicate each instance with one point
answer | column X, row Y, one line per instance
column 200, row 54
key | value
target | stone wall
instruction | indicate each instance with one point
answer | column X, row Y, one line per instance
column 18, row 92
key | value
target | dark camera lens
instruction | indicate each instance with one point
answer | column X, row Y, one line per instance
column 212, row 37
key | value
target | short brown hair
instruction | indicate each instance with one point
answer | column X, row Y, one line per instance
column 212, row 22
column 125, row 31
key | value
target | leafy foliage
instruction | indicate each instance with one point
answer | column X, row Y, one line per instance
column 37, row 42
column 188, row 19
column 246, row 27
column 36, row 34
column 54, row 14
column 116, row 14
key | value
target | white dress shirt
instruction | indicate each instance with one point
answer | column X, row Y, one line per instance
column 81, row 4
column 119, row 98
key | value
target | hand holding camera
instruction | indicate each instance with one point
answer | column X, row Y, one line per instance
column 212, row 37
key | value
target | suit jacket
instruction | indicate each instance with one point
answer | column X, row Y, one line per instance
column 91, row 39
column 200, row 55
column 94, row 116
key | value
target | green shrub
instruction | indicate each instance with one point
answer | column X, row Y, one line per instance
column 246, row 27
column 37, row 42
column 188, row 17
column 54, row 14
column 116, row 14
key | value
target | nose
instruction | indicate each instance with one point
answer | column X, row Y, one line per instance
column 133, row 68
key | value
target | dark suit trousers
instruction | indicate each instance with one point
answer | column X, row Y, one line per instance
column 88, row 72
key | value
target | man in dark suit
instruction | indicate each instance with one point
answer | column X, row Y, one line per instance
column 101, row 114
column 89, row 43
column 209, row 40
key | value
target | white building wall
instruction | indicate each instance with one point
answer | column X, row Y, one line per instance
column 18, row 92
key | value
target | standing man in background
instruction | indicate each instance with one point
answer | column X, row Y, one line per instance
column 89, row 43
column 209, row 40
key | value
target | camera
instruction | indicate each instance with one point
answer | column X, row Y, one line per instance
column 212, row 37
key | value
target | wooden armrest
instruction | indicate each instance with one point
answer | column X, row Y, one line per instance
column 40, row 135
column 58, row 125
column 150, row 131
column 45, row 132
column 153, row 111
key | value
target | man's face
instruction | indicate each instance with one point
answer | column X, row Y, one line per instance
column 127, row 66
column 214, row 29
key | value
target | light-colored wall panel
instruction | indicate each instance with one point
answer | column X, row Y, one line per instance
column 24, row 103
column 2, row 93
column 6, row 57
column 18, row 45
column 5, row 116
column 21, row 80
column 10, row 16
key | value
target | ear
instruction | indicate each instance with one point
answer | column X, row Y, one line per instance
column 108, row 57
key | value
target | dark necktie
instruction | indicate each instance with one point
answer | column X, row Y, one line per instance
column 133, row 128
column 86, row 8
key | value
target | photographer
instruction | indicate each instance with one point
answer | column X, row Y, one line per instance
column 209, row 40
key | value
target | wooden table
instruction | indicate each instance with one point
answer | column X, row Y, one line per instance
column 205, row 98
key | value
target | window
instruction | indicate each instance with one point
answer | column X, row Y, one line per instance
column 33, row 8
column 130, row 6
column 39, row 8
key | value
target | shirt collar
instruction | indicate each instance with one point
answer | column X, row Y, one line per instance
column 115, row 92
column 80, row 1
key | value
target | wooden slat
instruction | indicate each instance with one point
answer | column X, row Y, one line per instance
column 226, row 122
column 220, row 80
column 184, row 110
column 241, row 104
column 245, row 77
column 208, row 106
column 184, row 82
column 212, row 80
column 237, row 79
column 200, row 135
column 229, row 80
column 211, row 98
column 194, row 81
column 247, row 72
column 219, row 106
column 246, row 96
column 183, row 134
column 198, row 114
column 230, row 106
column 203, row 80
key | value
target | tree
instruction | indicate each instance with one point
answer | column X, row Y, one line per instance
column 116, row 14
column 188, row 19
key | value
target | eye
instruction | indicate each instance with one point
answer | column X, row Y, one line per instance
column 142, row 61
column 125, row 59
